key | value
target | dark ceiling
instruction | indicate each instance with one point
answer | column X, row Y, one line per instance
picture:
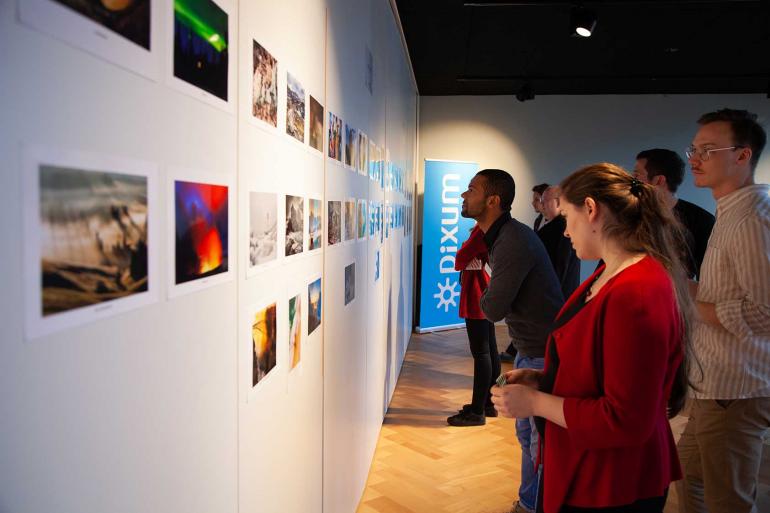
column 638, row 47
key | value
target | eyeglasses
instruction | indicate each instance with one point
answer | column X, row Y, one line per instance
column 704, row 154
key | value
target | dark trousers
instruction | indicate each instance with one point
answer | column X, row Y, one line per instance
column 652, row 505
column 486, row 361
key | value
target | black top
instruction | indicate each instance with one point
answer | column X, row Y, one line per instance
column 549, row 376
column 698, row 224
column 538, row 220
column 563, row 257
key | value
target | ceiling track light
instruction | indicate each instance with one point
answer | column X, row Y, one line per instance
column 582, row 21
column 525, row 93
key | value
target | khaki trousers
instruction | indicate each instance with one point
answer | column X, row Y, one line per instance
column 720, row 451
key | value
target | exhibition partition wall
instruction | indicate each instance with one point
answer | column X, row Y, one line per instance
column 207, row 215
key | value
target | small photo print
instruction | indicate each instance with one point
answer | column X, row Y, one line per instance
column 361, row 211
column 316, row 125
column 315, row 224
column 295, row 330
column 335, row 137
column 350, row 220
column 129, row 18
column 350, row 283
column 295, row 225
column 363, row 146
column 201, row 45
column 372, row 218
column 314, row 306
column 295, row 108
column 335, row 222
column 264, row 334
column 263, row 228
column 372, row 159
column 350, row 146
column 201, row 230
column 264, row 99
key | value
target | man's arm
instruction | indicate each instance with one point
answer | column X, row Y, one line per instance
column 512, row 263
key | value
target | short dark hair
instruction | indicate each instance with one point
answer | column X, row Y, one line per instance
column 540, row 189
column 664, row 162
column 746, row 130
column 501, row 184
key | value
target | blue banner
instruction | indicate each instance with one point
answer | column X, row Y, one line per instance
column 443, row 232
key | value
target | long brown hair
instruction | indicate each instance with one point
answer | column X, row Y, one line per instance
column 642, row 223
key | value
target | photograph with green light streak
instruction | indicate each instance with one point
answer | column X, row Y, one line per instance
column 201, row 44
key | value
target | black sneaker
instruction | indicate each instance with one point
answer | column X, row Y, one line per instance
column 466, row 418
column 489, row 411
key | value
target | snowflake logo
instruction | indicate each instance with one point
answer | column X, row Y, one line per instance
column 441, row 295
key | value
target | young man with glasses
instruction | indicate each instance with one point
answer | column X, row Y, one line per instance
column 664, row 169
column 721, row 446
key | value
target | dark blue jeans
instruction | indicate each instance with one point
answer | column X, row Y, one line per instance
column 526, row 432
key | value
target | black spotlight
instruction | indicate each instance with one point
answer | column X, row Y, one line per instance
column 582, row 21
column 525, row 93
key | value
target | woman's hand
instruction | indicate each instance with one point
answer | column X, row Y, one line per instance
column 514, row 400
column 527, row 377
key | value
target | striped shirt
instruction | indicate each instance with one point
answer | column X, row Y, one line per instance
column 735, row 276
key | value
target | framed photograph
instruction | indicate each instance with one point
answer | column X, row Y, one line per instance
column 349, row 225
column 201, row 33
column 201, row 215
column 361, row 214
column 335, row 137
column 90, row 244
column 316, row 125
column 351, row 143
column 124, row 32
column 334, row 213
column 263, row 230
column 350, row 283
column 315, row 224
column 363, row 147
column 295, row 225
column 314, row 303
column 295, row 108
column 264, row 86
column 263, row 342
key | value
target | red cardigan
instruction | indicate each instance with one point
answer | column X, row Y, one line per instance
column 618, row 446
column 473, row 283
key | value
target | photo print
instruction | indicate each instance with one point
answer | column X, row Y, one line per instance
column 263, row 228
column 335, row 222
column 201, row 46
column 295, row 330
column 363, row 146
column 295, row 225
column 201, row 230
column 264, row 97
column 350, row 220
column 93, row 237
column 372, row 219
column 372, row 159
column 295, row 108
column 119, row 31
column 314, row 306
column 350, row 146
column 128, row 18
column 264, row 335
column 316, row 125
column 335, row 137
column 350, row 283
column 361, row 211
column 315, row 224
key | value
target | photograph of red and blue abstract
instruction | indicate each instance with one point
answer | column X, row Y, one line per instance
column 201, row 230
column 201, row 45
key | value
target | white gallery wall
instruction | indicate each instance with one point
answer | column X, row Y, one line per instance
column 152, row 401
column 546, row 139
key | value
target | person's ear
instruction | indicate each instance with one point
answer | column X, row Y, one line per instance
column 591, row 209
column 659, row 181
column 744, row 156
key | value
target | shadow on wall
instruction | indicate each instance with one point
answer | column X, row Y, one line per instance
column 388, row 352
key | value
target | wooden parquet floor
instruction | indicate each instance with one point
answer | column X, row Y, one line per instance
column 422, row 465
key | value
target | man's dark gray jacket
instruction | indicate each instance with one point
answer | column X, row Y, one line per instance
column 523, row 288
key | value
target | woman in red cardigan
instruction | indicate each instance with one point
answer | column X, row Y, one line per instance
column 471, row 260
column 614, row 368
